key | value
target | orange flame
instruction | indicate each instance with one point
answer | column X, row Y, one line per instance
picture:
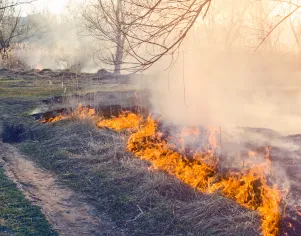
column 250, row 188
column 124, row 121
column 80, row 112
column 39, row 67
column 53, row 119
column 188, row 131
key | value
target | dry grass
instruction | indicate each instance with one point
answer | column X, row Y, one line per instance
column 138, row 200
column 94, row 163
column 213, row 215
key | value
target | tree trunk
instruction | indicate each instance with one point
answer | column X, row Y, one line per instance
column 119, row 55
column 119, row 39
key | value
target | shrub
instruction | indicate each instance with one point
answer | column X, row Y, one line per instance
column 12, row 133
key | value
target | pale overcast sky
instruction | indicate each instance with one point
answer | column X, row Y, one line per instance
column 54, row 6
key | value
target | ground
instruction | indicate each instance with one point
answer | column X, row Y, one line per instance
column 17, row 215
column 88, row 171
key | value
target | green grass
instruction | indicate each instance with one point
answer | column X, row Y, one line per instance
column 27, row 92
column 39, row 86
column 17, row 215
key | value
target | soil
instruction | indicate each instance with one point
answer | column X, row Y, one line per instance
column 68, row 214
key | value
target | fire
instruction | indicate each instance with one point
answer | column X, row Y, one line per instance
column 212, row 143
column 188, row 131
column 249, row 188
column 53, row 119
column 80, row 112
column 258, row 160
column 39, row 67
column 126, row 120
column 83, row 112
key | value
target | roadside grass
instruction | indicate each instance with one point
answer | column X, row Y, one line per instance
column 140, row 201
column 17, row 215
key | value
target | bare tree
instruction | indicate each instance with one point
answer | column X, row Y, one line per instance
column 150, row 29
column 11, row 25
column 106, row 22
column 140, row 32
column 159, row 27
column 289, row 9
column 163, row 24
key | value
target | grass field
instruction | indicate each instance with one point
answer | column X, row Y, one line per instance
column 93, row 162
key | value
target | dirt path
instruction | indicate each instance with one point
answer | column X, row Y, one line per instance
column 65, row 211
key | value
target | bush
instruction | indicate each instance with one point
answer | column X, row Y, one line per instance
column 12, row 133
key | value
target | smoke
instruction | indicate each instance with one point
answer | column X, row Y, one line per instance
column 253, row 97
column 218, row 80
column 55, row 43
column 230, row 88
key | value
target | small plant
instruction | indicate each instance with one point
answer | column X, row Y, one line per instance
column 12, row 133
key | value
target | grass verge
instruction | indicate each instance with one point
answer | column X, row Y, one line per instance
column 17, row 216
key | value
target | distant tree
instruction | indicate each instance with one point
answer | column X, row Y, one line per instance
column 158, row 28
column 106, row 21
column 11, row 25
column 147, row 30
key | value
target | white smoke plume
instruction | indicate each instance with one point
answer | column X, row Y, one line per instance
column 55, row 43
column 231, row 88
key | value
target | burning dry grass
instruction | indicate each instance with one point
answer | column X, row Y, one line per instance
column 249, row 188
column 139, row 200
column 80, row 113
column 124, row 121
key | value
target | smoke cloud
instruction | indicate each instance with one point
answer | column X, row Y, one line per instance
column 230, row 88
column 55, row 43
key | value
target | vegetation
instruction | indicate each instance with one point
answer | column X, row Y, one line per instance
column 138, row 200
column 17, row 215
column 106, row 22
column 11, row 25
column 12, row 133
column 130, row 35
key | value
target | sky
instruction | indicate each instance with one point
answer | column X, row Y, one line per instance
column 55, row 7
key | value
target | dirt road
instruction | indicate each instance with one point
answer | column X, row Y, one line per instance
column 68, row 214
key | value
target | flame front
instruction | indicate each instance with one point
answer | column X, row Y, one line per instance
column 248, row 188
column 125, row 121
column 81, row 112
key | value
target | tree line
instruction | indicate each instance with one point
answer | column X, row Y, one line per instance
column 132, row 35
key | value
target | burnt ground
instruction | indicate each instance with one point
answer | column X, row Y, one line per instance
column 290, row 163
column 92, row 163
